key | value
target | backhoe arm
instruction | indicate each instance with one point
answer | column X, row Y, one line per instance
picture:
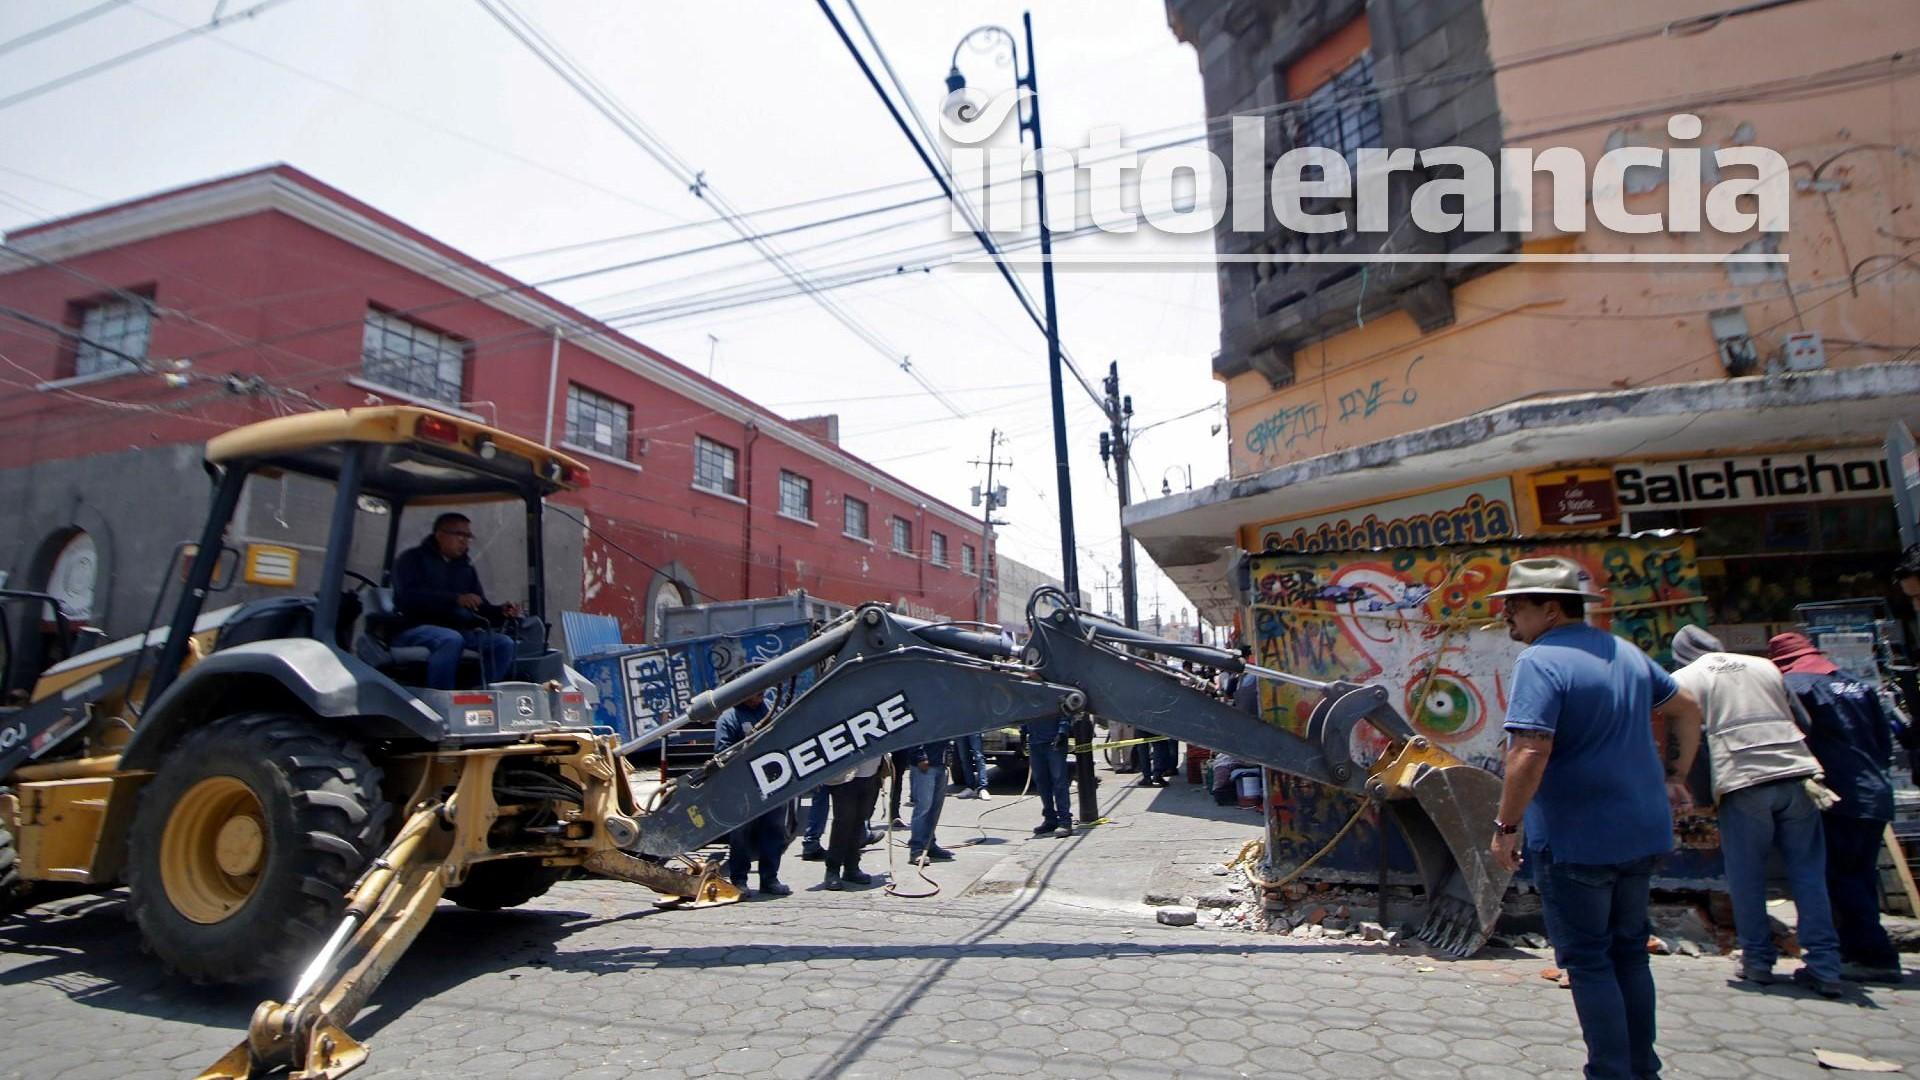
column 892, row 682
column 889, row 687
column 1443, row 806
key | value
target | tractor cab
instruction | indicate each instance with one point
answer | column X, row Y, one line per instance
column 341, row 639
column 237, row 765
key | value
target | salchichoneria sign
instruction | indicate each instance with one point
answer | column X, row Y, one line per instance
column 1748, row 481
column 1467, row 514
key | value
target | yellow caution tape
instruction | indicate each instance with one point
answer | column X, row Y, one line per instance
column 1089, row 747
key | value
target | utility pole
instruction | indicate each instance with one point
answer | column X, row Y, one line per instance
column 993, row 498
column 1113, row 446
column 1069, row 553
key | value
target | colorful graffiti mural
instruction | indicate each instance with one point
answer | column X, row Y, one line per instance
column 1420, row 621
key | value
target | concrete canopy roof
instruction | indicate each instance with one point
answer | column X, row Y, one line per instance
column 1194, row 535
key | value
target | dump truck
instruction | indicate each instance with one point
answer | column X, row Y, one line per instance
column 286, row 800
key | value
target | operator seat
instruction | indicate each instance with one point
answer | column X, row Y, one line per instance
column 405, row 664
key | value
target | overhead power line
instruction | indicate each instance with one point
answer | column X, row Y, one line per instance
column 604, row 102
column 1847, row 75
column 130, row 55
column 58, row 26
column 1691, row 25
column 1771, row 89
column 942, row 175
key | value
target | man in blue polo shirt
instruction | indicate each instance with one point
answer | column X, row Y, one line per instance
column 1582, row 767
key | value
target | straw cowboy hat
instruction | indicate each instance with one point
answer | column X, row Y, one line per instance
column 1550, row 575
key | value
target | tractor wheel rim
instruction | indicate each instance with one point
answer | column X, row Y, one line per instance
column 213, row 849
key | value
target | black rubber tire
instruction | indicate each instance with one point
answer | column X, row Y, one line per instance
column 508, row 883
column 13, row 891
column 326, row 818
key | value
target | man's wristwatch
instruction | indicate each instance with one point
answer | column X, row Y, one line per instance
column 1503, row 828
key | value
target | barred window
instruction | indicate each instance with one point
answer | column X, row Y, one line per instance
column 966, row 558
column 113, row 337
column 713, row 466
column 796, row 496
column 1343, row 114
column 856, row 518
column 598, row 422
column 937, row 548
column 903, row 536
column 412, row 358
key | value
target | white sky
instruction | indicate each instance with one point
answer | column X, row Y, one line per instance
column 430, row 111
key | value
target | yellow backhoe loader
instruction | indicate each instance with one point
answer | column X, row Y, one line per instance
column 285, row 800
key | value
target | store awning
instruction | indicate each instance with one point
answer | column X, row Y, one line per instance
column 1193, row 535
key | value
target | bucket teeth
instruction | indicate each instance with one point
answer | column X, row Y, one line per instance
column 1453, row 928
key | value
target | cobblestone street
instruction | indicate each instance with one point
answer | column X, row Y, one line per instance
column 1030, row 962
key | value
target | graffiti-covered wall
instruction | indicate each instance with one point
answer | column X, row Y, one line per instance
column 1419, row 621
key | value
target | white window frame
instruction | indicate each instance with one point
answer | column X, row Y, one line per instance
column 108, row 328
column 969, row 560
column 789, row 477
column 893, row 529
column 387, row 342
column 729, row 480
column 866, row 519
column 619, row 417
column 937, row 548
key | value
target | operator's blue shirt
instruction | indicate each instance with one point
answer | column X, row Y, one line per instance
column 1603, row 798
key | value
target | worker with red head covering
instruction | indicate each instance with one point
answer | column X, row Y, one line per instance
column 1852, row 737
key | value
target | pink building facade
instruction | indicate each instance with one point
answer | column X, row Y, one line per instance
column 132, row 333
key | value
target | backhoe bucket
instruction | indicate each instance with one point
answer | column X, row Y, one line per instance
column 1445, row 809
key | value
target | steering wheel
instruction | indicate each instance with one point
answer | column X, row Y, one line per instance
column 361, row 578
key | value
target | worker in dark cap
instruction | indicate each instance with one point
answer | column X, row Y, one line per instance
column 764, row 839
column 1765, row 784
column 1852, row 737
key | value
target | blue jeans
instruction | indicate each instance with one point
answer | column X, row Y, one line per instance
column 973, row 760
column 929, row 795
column 1597, row 917
column 1160, row 758
column 1853, row 883
column 1778, row 816
column 1050, row 782
column 817, row 815
column 761, row 840
column 443, row 645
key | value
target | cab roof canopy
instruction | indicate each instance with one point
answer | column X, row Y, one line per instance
column 419, row 455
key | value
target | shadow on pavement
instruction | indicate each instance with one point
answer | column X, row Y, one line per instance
column 1856, row 994
column 88, row 949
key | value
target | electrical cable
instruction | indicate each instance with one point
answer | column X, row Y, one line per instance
column 1706, row 20
column 149, row 48
column 1763, row 8
column 58, row 26
column 941, row 174
column 603, row 101
column 424, row 307
column 661, row 313
column 617, row 546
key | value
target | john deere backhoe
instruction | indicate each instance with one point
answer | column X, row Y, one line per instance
column 284, row 801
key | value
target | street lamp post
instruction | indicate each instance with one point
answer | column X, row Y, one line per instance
column 1069, row 553
column 1030, row 122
